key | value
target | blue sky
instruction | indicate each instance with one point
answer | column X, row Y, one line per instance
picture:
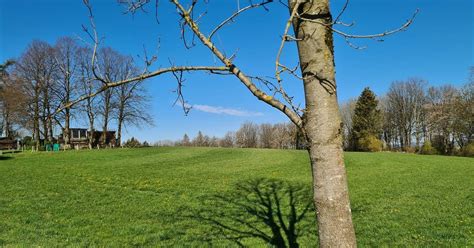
column 438, row 47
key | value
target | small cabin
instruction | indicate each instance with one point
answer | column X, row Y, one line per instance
column 8, row 144
column 79, row 138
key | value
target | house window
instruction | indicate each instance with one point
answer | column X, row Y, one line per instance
column 75, row 133
column 82, row 133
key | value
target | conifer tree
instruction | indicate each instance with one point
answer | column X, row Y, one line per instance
column 186, row 141
column 366, row 121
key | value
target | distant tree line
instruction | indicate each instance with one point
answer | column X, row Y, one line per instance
column 36, row 88
column 412, row 117
column 249, row 135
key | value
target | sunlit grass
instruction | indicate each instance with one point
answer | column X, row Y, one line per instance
column 148, row 197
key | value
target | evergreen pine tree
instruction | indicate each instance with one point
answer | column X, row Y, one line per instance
column 366, row 121
column 199, row 140
column 185, row 141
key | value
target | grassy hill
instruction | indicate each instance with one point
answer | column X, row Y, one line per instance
column 204, row 196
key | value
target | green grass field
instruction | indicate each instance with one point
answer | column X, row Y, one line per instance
column 195, row 197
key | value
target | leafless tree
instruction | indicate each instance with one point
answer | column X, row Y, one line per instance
column 313, row 32
column 109, row 66
column 12, row 103
column 347, row 112
column 442, row 113
column 247, row 135
column 464, row 129
column 389, row 128
column 405, row 101
column 284, row 136
column 228, row 140
column 130, row 98
column 213, row 142
column 265, row 135
column 34, row 69
column 66, row 57
column 199, row 140
column 88, row 86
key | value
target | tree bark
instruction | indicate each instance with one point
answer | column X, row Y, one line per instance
column 104, row 129
column 67, row 112
column 67, row 133
column 91, row 116
column 36, row 119
column 322, row 124
column 107, row 99
column 6, row 122
column 119, row 132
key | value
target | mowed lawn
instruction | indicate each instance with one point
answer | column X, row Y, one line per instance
column 177, row 197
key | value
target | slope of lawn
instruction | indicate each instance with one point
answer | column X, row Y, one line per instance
column 196, row 197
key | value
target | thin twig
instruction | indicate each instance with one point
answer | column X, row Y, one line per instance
column 235, row 14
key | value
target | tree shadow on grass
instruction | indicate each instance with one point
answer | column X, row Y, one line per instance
column 5, row 157
column 273, row 211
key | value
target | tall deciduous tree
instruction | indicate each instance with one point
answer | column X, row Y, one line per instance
column 321, row 125
column 265, row 135
column 12, row 103
column 108, row 64
column 66, row 55
column 465, row 114
column 35, row 69
column 199, row 140
column 247, row 135
column 442, row 113
column 88, row 86
column 130, row 98
column 405, row 103
column 347, row 114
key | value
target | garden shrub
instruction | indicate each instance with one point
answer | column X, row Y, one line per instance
column 370, row 143
column 427, row 148
column 468, row 150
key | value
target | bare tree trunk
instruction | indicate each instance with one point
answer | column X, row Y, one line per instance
column 91, row 127
column 67, row 131
column 119, row 131
column 50, row 127
column 36, row 124
column 67, row 114
column 106, row 113
column 120, row 117
column 323, row 125
column 6, row 124
column 104, row 129
column 46, row 113
column 45, row 127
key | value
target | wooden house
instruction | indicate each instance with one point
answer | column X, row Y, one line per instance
column 8, row 144
column 79, row 138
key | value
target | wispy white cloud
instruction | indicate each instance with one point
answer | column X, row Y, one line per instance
column 224, row 111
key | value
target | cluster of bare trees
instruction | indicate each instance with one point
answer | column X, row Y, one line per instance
column 38, row 87
column 250, row 135
column 416, row 116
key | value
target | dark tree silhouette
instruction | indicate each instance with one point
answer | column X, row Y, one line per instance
column 271, row 210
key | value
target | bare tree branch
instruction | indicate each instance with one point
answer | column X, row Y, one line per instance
column 368, row 36
column 94, row 36
column 235, row 14
column 292, row 115
column 284, row 40
column 342, row 12
column 108, row 85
